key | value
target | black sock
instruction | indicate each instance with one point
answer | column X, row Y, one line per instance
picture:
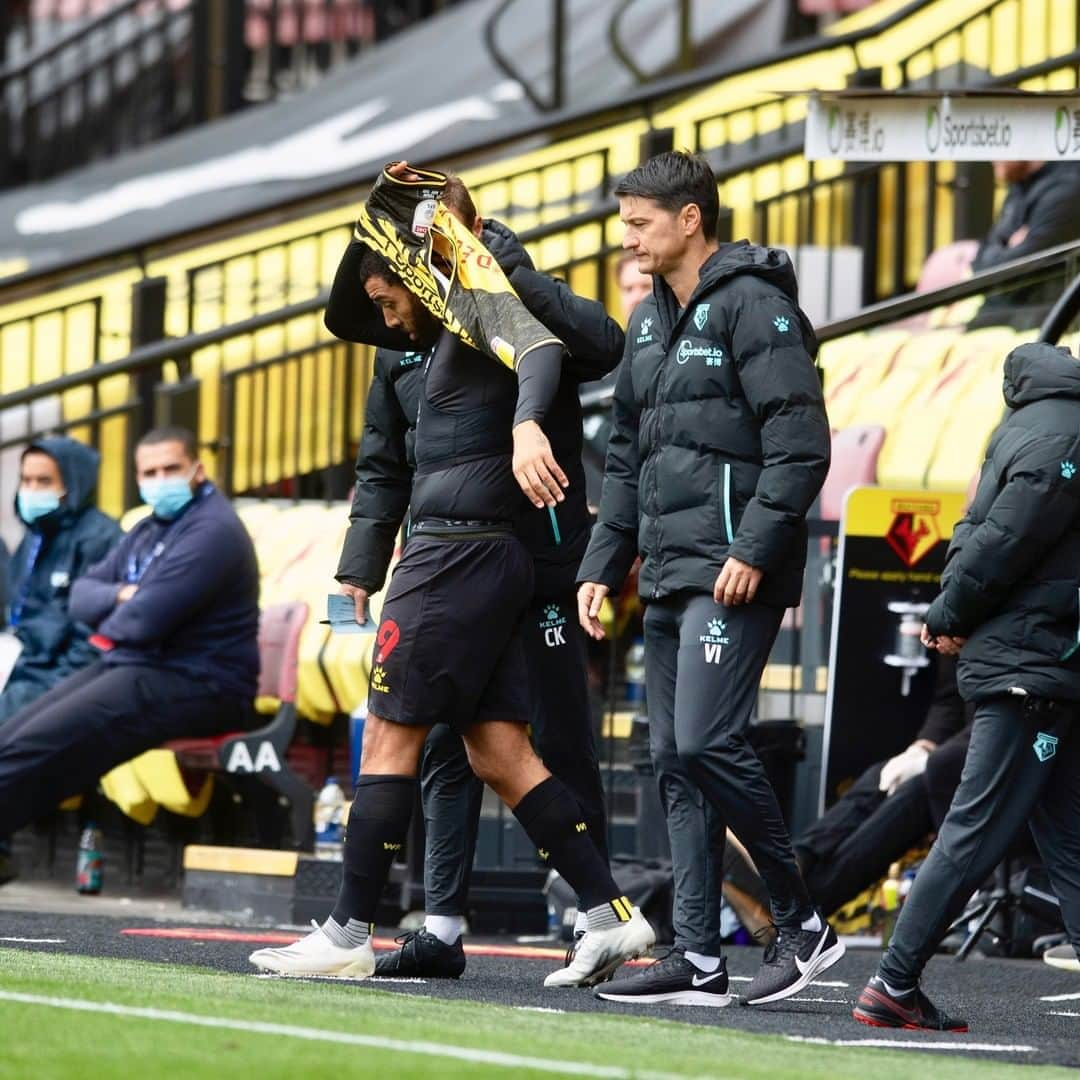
column 378, row 824
column 552, row 818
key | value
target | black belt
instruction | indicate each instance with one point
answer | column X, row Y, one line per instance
column 462, row 529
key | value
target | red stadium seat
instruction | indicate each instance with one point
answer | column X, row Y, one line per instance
column 259, row 755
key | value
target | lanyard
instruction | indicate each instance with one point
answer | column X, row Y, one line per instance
column 136, row 568
column 23, row 594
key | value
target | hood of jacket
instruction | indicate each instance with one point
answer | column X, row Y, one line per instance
column 730, row 260
column 1036, row 371
column 78, row 464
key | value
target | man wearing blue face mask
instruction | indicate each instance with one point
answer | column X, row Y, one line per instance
column 175, row 610
column 65, row 536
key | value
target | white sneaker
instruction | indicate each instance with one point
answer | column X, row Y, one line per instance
column 316, row 954
column 600, row 952
column 1063, row 956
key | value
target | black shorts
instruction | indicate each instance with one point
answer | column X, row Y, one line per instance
column 449, row 644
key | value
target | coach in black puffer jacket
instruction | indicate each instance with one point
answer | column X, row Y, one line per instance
column 720, row 438
column 1011, row 588
column 1012, row 577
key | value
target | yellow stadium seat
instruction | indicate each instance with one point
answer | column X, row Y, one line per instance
column 873, row 360
column 916, row 363
column 912, row 441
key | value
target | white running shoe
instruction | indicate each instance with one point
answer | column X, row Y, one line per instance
column 316, row 954
column 600, row 952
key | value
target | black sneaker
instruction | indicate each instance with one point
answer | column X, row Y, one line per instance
column 792, row 962
column 913, row 1011
column 671, row 980
column 424, row 954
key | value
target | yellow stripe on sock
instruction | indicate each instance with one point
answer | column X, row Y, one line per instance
column 621, row 907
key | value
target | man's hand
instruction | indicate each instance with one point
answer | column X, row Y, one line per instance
column 359, row 597
column 125, row 593
column 908, row 763
column 737, row 584
column 590, row 597
column 535, row 467
column 942, row 643
column 401, row 170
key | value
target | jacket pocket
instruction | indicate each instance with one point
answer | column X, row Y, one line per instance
column 725, row 501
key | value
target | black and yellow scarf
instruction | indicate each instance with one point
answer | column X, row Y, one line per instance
column 404, row 221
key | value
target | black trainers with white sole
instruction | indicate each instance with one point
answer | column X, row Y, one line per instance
column 671, row 980
column 792, row 962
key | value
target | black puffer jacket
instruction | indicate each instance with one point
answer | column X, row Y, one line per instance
column 384, row 464
column 720, row 442
column 1012, row 575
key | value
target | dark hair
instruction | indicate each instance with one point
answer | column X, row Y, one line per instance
column 372, row 264
column 673, row 180
column 455, row 196
column 172, row 433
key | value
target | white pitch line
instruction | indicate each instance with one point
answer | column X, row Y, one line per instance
column 35, row 940
column 911, row 1044
column 817, row 982
column 376, row 1042
column 1063, row 1014
column 1061, row 997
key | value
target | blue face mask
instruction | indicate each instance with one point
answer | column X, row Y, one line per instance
column 168, row 496
column 35, row 504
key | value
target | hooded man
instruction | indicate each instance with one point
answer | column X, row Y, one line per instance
column 65, row 535
column 719, row 446
column 1010, row 607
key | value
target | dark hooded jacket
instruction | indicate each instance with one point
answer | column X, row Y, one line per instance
column 720, row 442
column 1012, row 574
column 385, row 463
column 68, row 541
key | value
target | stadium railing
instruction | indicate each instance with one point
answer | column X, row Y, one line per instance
column 245, row 266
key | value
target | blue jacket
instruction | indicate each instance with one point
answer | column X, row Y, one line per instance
column 196, row 610
column 68, row 542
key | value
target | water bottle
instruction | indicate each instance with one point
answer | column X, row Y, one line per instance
column 330, row 810
column 90, row 865
column 635, row 673
column 890, row 903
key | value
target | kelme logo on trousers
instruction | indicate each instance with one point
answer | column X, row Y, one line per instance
column 1045, row 746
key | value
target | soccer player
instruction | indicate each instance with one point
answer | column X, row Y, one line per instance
column 556, row 540
column 449, row 643
column 720, row 443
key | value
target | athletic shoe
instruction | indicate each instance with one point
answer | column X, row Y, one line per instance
column 671, row 980
column 316, row 954
column 422, row 953
column 792, row 962
column 600, row 952
column 1062, row 956
column 914, row 1011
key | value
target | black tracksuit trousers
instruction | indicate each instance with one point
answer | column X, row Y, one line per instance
column 1022, row 768
column 703, row 666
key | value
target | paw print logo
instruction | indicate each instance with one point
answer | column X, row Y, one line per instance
column 551, row 612
column 378, row 676
column 716, row 627
column 1068, row 469
column 646, row 325
column 782, row 323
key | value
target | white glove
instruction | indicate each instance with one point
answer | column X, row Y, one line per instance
column 910, row 762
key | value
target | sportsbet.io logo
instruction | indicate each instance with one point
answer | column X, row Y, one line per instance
column 933, row 128
column 1061, row 129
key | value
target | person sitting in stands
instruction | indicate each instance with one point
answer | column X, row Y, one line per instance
column 175, row 606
